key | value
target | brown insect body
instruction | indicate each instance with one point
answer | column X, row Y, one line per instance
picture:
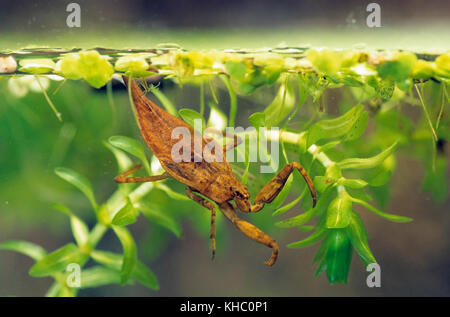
column 204, row 174
column 213, row 179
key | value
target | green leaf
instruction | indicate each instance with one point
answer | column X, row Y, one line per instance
column 37, row 65
column 364, row 163
column 398, row 68
column 90, row 65
column 190, row 116
column 54, row 290
column 58, row 260
column 338, row 127
column 154, row 214
column 303, row 218
column 140, row 273
column 99, row 276
column 321, row 183
column 358, row 237
column 124, row 163
column 333, row 171
column 358, row 127
column 79, row 181
column 281, row 106
column 348, row 79
column 257, row 120
column 359, row 193
column 306, row 228
column 313, row 238
column 297, row 220
column 353, row 183
column 422, row 70
column 236, row 69
column 391, row 217
column 167, row 104
column 172, row 194
column 143, row 275
column 325, row 61
column 322, row 266
column 134, row 66
column 129, row 253
column 384, row 88
column 96, row 69
column 132, row 147
column 381, row 194
column 320, row 255
column 282, row 195
column 80, row 231
column 313, row 83
column 79, row 228
column 288, row 206
column 62, row 208
column 69, row 67
column 381, row 174
column 338, row 256
column 126, row 215
column 59, row 290
column 339, row 210
column 255, row 76
column 32, row 250
column 108, row 259
column 443, row 65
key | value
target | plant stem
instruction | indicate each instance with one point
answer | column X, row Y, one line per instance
column 233, row 100
column 427, row 115
column 202, row 98
column 96, row 235
column 109, row 94
column 441, row 111
column 213, row 93
column 57, row 113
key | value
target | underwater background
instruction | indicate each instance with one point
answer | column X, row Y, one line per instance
column 414, row 257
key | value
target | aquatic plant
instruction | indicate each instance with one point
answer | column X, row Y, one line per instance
column 349, row 164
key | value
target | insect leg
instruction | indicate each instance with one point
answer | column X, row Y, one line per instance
column 268, row 193
column 207, row 204
column 251, row 231
column 123, row 178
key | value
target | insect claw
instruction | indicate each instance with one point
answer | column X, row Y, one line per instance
column 274, row 256
column 119, row 179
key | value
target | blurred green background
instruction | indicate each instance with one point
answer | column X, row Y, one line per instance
column 414, row 257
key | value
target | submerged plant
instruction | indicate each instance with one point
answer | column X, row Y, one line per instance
column 348, row 164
